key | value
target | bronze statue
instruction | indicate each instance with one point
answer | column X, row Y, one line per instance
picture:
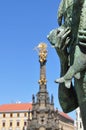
column 69, row 40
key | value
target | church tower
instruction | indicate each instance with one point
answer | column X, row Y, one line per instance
column 44, row 117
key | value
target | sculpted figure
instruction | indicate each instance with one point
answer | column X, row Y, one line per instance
column 79, row 56
column 69, row 40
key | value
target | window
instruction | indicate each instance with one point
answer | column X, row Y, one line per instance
column 25, row 114
column 4, row 115
column 80, row 125
column 25, row 123
column 3, row 124
column 10, row 124
column 17, row 114
column 18, row 124
column 11, row 114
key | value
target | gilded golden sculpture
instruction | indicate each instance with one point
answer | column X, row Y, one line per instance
column 42, row 52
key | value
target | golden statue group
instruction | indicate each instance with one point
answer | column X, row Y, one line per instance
column 69, row 40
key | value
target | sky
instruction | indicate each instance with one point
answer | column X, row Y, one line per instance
column 23, row 25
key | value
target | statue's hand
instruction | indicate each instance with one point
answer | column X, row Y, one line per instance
column 63, row 38
column 59, row 37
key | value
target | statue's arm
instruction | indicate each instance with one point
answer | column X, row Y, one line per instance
column 60, row 12
column 67, row 97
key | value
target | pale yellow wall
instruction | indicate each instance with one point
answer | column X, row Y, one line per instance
column 14, row 120
column 66, row 126
column 22, row 119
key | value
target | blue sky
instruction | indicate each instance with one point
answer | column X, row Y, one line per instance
column 23, row 25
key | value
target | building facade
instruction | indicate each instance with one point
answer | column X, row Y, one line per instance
column 65, row 121
column 14, row 116
column 78, row 121
column 17, row 116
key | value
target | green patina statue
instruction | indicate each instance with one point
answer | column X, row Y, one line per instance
column 69, row 40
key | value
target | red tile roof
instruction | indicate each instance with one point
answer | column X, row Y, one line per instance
column 16, row 107
column 65, row 115
column 24, row 107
